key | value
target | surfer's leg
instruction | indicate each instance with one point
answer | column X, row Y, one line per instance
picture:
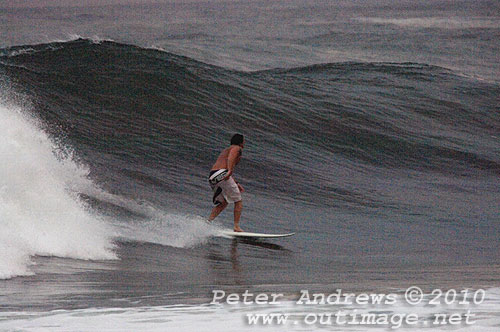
column 238, row 206
column 217, row 210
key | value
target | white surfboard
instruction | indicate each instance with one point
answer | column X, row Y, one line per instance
column 254, row 235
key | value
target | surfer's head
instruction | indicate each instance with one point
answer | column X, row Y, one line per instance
column 237, row 139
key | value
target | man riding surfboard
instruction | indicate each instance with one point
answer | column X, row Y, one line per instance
column 225, row 188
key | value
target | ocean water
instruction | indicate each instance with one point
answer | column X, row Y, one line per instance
column 372, row 131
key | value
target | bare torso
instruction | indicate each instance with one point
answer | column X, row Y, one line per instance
column 223, row 158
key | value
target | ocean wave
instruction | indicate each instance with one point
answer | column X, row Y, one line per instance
column 40, row 213
column 126, row 108
column 436, row 22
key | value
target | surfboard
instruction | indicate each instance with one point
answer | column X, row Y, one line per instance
column 254, row 235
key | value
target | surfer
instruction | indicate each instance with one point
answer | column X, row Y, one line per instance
column 225, row 188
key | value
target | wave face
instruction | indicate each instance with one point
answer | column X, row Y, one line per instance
column 148, row 125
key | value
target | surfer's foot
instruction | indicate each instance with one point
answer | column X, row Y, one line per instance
column 237, row 229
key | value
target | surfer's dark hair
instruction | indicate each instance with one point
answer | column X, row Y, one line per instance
column 237, row 139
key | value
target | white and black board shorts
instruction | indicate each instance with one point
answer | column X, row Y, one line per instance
column 223, row 189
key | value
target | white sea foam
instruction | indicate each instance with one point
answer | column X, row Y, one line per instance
column 40, row 214
column 94, row 38
column 170, row 229
column 435, row 22
column 155, row 225
column 235, row 317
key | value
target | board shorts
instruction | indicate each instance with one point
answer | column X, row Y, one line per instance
column 223, row 189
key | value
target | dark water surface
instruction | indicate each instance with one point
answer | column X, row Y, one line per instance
column 372, row 132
